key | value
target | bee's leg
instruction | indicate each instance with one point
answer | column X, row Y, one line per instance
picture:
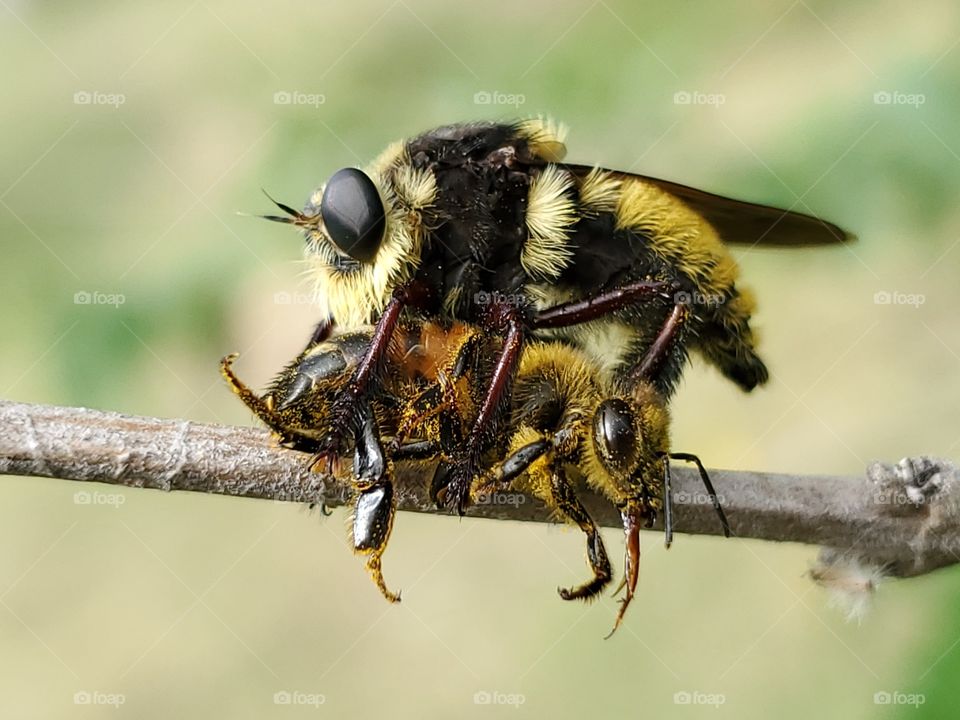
column 667, row 503
column 440, row 481
column 424, row 407
column 569, row 505
column 718, row 509
column 416, row 450
column 428, row 405
column 466, row 463
column 372, row 522
column 549, row 483
column 634, row 517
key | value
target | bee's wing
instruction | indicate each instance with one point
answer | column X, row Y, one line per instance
column 743, row 222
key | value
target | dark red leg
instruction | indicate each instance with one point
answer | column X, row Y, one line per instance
column 346, row 409
column 466, row 464
column 579, row 311
column 321, row 332
column 653, row 361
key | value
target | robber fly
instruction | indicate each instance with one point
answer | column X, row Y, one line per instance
column 485, row 223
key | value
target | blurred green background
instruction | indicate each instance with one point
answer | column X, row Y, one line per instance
column 132, row 135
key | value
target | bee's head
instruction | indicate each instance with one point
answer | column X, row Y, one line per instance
column 618, row 437
column 630, row 437
column 630, row 434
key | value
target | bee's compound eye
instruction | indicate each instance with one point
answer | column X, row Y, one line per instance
column 614, row 434
column 353, row 214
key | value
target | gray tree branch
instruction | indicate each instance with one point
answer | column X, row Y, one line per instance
column 904, row 517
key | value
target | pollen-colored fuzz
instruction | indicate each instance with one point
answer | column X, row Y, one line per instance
column 536, row 480
column 654, row 419
column 544, row 137
column 551, row 213
column 679, row 235
column 599, row 191
column 581, row 388
column 567, row 369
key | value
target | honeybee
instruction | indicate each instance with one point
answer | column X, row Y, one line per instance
column 484, row 223
column 565, row 414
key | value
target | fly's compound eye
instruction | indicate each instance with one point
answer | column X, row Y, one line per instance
column 353, row 214
column 615, row 434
